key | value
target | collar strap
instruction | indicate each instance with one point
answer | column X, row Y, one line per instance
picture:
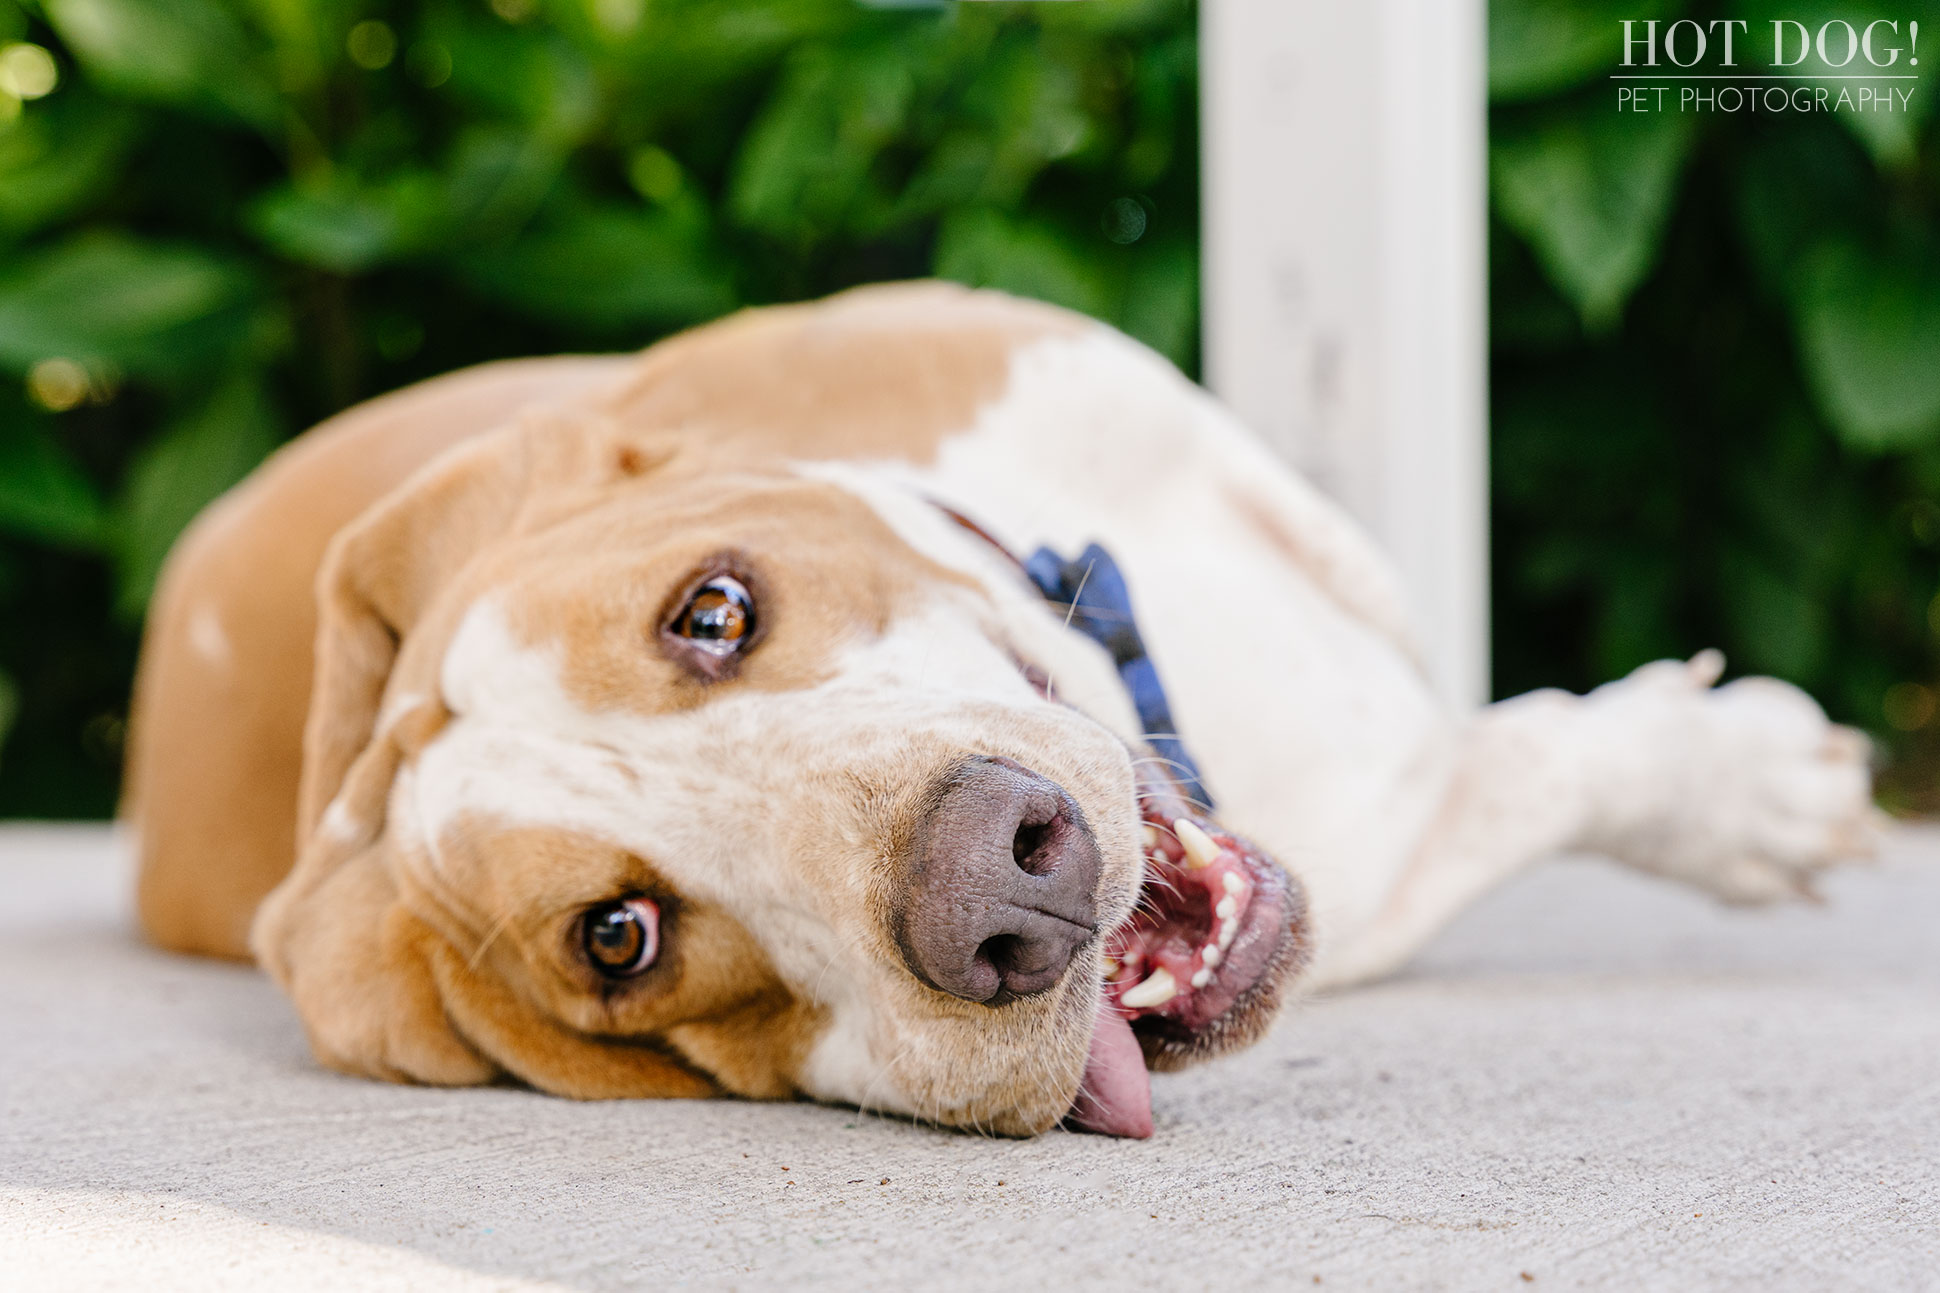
column 1099, row 605
column 1096, row 602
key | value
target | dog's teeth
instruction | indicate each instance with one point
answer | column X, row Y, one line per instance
column 1160, row 988
column 1232, row 882
column 1150, row 834
column 1227, row 930
column 1201, row 852
column 1228, row 907
column 1202, row 978
column 1210, row 954
column 1111, row 967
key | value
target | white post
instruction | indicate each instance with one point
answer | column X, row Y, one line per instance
column 1345, row 300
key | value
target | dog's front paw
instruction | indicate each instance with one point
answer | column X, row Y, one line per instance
column 1746, row 791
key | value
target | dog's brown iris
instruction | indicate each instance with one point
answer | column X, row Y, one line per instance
column 719, row 617
column 622, row 938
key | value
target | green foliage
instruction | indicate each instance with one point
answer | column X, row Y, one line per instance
column 43, row 493
column 231, row 218
column 1869, row 325
column 1717, row 374
column 213, row 444
column 1540, row 47
column 1716, row 337
column 1590, row 191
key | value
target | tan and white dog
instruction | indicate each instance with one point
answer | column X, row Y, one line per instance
column 649, row 726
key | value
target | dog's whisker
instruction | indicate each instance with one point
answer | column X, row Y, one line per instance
column 498, row 927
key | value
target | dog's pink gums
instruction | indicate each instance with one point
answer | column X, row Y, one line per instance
column 1189, row 914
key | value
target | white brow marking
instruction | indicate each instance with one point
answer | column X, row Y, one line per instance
column 207, row 637
column 337, row 824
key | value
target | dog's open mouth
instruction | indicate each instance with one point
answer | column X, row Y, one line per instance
column 1198, row 968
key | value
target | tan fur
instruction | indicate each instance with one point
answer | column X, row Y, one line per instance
column 447, row 957
column 215, row 745
column 880, row 373
column 214, row 750
column 498, row 738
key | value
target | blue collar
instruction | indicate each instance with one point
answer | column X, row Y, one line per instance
column 1099, row 605
column 1092, row 593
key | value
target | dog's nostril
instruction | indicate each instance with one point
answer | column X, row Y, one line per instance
column 984, row 927
column 1027, row 847
column 999, row 952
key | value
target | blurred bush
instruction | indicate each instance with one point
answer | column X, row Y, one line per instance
column 1716, row 375
column 1716, row 338
column 222, row 220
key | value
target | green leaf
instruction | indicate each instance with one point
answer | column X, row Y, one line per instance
column 1796, row 189
column 189, row 53
column 1636, row 619
column 1538, row 47
column 58, row 156
column 1777, row 626
column 1526, row 313
column 606, row 269
column 346, row 227
column 1869, row 328
column 44, row 494
column 198, row 456
column 1028, row 257
column 521, row 74
column 1162, row 299
column 493, row 182
column 805, row 165
column 1591, row 191
column 158, row 310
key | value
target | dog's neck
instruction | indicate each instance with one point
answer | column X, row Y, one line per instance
column 1091, row 590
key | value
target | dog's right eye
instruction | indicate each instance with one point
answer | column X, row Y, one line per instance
column 622, row 938
column 719, row 617
column 713, row 626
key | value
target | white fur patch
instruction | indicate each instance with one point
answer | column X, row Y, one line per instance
column 208, row 639
column 1276, row 625
column 338, row 825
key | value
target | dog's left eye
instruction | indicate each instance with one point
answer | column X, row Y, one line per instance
column 719, row 617
column 622, row 938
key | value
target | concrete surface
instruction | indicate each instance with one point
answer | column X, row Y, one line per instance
column 1594, row 1080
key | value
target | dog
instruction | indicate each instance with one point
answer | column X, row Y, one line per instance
column 735, row 718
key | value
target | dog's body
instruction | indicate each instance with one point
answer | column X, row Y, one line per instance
column 475, row 718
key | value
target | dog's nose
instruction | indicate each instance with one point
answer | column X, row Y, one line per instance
column 1001, row 874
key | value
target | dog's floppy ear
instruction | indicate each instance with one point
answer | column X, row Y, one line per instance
column 337, row 933
column 377, row 579
column 334, row 934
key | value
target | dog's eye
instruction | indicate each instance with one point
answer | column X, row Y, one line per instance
column 719, row 617
column 622, row 938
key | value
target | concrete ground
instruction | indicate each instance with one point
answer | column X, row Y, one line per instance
column 1593, row 1080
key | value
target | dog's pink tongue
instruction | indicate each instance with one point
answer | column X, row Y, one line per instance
column 1116, row 1098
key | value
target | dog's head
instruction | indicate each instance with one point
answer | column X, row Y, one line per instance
column 633, row 771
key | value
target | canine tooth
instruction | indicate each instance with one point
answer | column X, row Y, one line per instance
column 1228, row 907
column 1201, row 852
column 1155, row 991
column 1202, row 978
column 1231, row 882
column 1210, row 954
